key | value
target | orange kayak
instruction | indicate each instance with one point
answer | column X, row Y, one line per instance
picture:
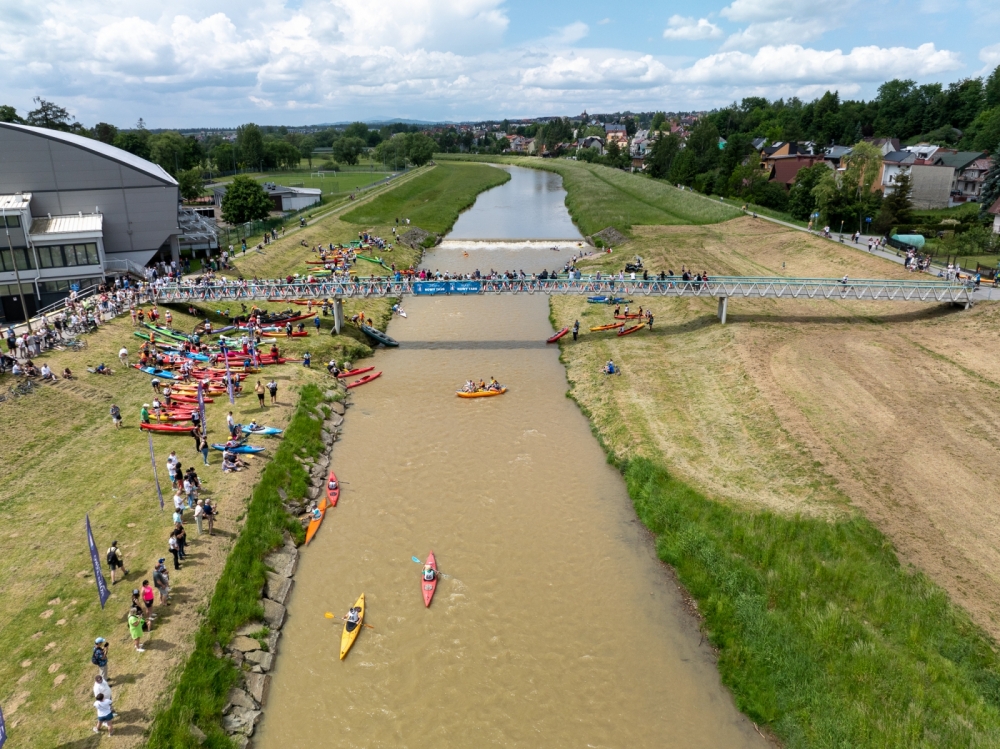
column 606, row 327
column 315, row 523
column 633, row 329
column 480, row 393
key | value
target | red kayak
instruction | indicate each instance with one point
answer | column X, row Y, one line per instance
column 190, row 399
column 429, row 586
column 629, row 316
column 363, row 380
column 557, row 336
column 353, row 372
column 332, row 489
column 174, row 428
column 633, row 329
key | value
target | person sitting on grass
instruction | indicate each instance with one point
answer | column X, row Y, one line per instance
column 67, row 375
column 47, row 373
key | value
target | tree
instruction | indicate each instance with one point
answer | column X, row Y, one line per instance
column 306, row 147
column 245, row 200
column 419, row 148
column 346, row 150
column 630, row 127
column 662, row 155
column 659, row 120
column 169, row 150
column 190, row 184
column 134, row 141
column 747, row 179
column 684, row 168
column 991, row 89
column 985, row 130
column 801, row 201
column 249, row 146
column 224, row 156
column 9, row 114
column 49, row 115
column 105, row 133
column 356, row 130
column 990, row 191
column 896, row 207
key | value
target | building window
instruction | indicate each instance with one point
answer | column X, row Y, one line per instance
column 69, row 255
column 25, row 260
column 63, row 285
column 12, row 221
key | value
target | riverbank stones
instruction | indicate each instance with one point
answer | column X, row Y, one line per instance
column 274, row 613
column 244, row 644
column 283, row 561
column 277, row 588
column 258, row 686
column 338, row 408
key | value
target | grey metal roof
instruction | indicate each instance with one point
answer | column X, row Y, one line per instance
column 15, row 202
column 88, row 222
column 898, row 156
column 102, row 149
column 959, row 160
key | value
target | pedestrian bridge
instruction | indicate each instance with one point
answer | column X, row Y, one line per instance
column 719, row 287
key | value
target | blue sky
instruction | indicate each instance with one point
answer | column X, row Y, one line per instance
column 187, row 63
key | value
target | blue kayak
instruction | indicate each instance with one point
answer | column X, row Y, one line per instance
column 196, row 357
column 241, row 449
column 266, row 431
column 158, row 373
column 607, row 300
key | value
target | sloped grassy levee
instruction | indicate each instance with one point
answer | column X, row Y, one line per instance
column 203, row 685
column 599, row 196
column 822, row 635
column 433, row 200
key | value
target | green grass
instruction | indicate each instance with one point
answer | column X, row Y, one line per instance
column 333, row 183
column 822, row 635
column 433, row 200
column 599, row 197
column 201, row 690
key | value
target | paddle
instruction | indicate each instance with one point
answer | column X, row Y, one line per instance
column 439, row 574
column 329, row 615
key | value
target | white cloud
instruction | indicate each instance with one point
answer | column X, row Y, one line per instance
column 572, row 33
column 743, row 11
column 784, row 31
column 688, row 29
column 604, row 22
column 329, row 60
column 990, row 55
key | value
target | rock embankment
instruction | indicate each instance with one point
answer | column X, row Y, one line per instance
column 255, row 645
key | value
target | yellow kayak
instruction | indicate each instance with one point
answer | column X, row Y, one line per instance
column 480, row 393
column 349, row 636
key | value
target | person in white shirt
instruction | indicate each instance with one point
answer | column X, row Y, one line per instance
column 46, row 372
column 105, row 713
column 101, row 687
column 123, row 356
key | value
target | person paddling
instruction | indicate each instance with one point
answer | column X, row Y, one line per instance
column 353, row 618
column 429, row 573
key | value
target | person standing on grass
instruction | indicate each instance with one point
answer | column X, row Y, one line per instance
column 105, row 713
column 116, row 416
column 135, row 628
column 172, row 463
column 199, row 514
column 116, row 561
column 231, row 423
column 203, row 447
column 101, row 687
column 259, row 389
column 179, row 502
column 146, row 592
column 100, row 657
column 161, row 580
column 272, row 387
column 174, row 549
column 144, row 413
column 209, row 512
column 649, row 319
column 181, row 536
column 576, row 329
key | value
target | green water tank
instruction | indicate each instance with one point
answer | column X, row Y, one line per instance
column 914, row 240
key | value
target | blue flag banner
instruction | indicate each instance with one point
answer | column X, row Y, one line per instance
column 3, row 731
column 95, row 559
column 201, row 408
column 152, row 458
column 447, row 287
column 229, row 378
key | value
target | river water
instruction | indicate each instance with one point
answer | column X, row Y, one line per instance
column 556, row 625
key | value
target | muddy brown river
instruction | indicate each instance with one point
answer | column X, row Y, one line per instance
column 556, row 625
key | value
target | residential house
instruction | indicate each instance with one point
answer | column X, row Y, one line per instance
column 995, row 210
column 592, row 141
column 616, row 134
column 835, row 154
column 531, row 146
column 930, row 180
column 970, row 169
column 885, row 145
column 784, row 169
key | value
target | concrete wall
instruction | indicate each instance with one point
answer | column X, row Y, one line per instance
column 140, row 209
column 931, row 185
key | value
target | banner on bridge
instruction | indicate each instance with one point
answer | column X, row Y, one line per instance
column 447, row 287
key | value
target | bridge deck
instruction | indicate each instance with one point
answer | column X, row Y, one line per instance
column 722, row 287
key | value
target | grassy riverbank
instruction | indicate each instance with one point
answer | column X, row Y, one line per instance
column 786, row 465
column 207, row 677
column 599, row 196
column 432, row 201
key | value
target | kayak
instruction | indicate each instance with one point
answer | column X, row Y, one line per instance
column 605, row 327
column 353, row 372
column 245, row 449
column 480, row 393
column 378, row 335
column 367, row 378
column 629, row 316
column 607, row 300
column 315, row 523
column 266, row 431
column 633, row 329
column 332, row 493
column 172, row 428
column 350, row 635
column 168, row 332
column 429, row 587
column 190, row 398
column 275, row 329
column 157, row 372
column 557, row 336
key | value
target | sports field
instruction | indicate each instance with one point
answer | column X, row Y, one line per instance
column 331, row 183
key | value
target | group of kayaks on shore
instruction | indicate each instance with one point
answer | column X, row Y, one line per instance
column 623, row 327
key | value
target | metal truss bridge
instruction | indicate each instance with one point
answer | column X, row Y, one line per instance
column 718, row 287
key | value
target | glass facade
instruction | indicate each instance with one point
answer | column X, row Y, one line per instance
column 68, row 255
column 25, row 260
